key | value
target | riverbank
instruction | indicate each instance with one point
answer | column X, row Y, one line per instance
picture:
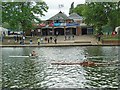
column 61, row 41
column 83, row 40
column 111, row 40
column 55, row 45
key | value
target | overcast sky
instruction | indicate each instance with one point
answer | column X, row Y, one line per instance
column 54, row 7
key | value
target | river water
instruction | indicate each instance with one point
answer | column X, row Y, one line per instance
column 26, row 72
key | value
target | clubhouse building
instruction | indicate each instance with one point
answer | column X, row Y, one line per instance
column 61, row 24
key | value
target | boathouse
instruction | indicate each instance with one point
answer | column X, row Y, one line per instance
column 61, row 24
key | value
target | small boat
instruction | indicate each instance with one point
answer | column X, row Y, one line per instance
column 19, row 56
column 33, row 56
column 84, row 64
column 23, row 56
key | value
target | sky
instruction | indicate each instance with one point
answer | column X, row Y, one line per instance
column 54, row 7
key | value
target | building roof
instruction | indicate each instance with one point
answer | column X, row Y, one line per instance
column 75, row 16
column 59, row 16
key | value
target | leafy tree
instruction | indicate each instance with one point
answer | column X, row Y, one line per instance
column 79, row 9
column 71, row 8
column 95, row 15
column 99, row 14
column 112, row 12
column 0, row 13
column 22, row 14
column 5, row 25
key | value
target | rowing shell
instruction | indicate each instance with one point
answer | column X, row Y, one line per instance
column 102, row 57
column 23, row 56
column 82, row 64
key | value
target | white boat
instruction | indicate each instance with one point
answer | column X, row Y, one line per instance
column 18, row 56
column 23, row 56
column 102, row 57
column 33, row 56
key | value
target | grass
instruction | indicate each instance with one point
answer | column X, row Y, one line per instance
column 111, row 37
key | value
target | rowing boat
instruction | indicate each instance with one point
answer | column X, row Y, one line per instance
column 101, row 57
column 19, row 56
column 23, row 56
column 88, row 64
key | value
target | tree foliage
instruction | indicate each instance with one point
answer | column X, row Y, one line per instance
column 71, row 8
column 22, row 14
column 0, row 13
column 79, row 9
column 99, row 14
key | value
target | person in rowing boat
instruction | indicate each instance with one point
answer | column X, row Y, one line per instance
column 84, row 64
column 33, row 53
column 88, row 63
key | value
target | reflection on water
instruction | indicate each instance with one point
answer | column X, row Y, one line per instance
column 38, row 72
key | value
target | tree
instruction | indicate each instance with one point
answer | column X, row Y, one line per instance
column 79, row 9
column 113, row 14
column 0, row 13
column 95, row 15
column 22, row 14
column 99, row 14
column 71, row 8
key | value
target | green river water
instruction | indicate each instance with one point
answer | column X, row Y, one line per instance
column 26, row 72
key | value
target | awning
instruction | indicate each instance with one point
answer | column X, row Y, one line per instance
column 57, row 24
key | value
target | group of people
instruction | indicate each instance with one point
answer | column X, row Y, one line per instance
column 20, row 39
column 50, row 39
column 68, row 37
column 46, row 39
column 100, row 34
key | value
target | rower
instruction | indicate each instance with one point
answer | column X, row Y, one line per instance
column 33, row 53
column 84, row 64
column 87, row 63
